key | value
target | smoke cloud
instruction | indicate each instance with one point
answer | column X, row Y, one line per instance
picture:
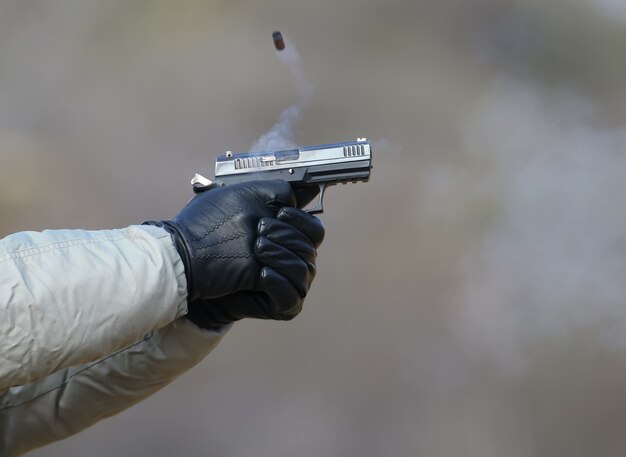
column 550, row 263
column 281, row 135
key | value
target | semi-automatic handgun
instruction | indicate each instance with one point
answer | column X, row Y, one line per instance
column 309, row 170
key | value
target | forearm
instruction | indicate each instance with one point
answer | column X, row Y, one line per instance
column 72, row 296
column 69, row 401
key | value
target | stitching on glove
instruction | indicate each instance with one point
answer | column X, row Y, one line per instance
column 223, row 240
column 228, row 218
column 225, row 256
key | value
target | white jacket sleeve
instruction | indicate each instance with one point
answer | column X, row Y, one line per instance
column 68, row 297
column 69, row 401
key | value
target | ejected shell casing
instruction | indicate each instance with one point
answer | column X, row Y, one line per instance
column 279, row 41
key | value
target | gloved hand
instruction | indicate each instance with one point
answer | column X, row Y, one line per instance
column 216, row 235
column 287, row 248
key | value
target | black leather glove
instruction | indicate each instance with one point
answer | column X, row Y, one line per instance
column 287, row 248
column 216, row 237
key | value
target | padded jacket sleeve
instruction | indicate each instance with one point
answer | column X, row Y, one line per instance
column 68, row 297
column 70, row 400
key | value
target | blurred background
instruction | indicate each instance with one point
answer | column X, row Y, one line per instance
column 470, row 299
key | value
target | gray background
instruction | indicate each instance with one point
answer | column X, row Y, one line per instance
column 470, row 297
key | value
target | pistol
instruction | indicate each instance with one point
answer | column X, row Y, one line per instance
column 309, row 170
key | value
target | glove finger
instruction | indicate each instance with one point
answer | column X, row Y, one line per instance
column 288, row 237
column 299, row 272
column 283, row 301
column 246, row 304
column 276, row 299
column 274, row 193
column 216, row 312
column 306, row 223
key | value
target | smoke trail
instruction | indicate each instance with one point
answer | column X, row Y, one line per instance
column 384, row 146
column 550, row 267
column 281, row 135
